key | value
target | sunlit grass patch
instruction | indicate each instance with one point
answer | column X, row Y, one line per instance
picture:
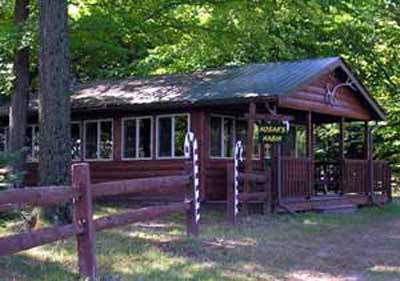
column 277, row 247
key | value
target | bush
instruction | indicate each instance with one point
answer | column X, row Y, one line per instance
column 8, row 177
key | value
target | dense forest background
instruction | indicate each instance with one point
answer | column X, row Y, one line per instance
column 118, row 38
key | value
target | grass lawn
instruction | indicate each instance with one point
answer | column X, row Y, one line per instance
column 360, row 246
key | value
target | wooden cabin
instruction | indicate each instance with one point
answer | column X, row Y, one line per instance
column 135, row 127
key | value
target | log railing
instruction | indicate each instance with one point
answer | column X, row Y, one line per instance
column 82, row 192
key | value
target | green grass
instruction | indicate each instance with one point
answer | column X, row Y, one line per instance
column 360, row 246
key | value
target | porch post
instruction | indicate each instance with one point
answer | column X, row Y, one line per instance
column 262, row 155
column 278, row 170
column 342, row 154
column 370, row 161
column 342, row 136
column 249, row 149
column 310, row 151
column 366, row 141
column 199, row 128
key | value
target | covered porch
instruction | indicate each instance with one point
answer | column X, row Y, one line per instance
column 341, row 172
column 327, row 160
column 303, row 173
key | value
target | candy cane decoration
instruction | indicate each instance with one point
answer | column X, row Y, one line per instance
column 191, row 148
column 238, row 159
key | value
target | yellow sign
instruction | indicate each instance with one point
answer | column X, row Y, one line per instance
column 272, row 131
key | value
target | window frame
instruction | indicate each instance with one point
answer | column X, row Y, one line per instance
column 6, row 136
column 297, row 150
column 221, row 141
column 34, row 158
column 172, row 116
column 98, row 122
column 82, row 140
column 137, row 136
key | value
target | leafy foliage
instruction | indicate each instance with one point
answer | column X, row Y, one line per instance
column 8, row 177
column 122, row 38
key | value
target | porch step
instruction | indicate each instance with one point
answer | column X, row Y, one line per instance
column 336, row 209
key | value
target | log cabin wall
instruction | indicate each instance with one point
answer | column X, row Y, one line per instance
column 212, row 171
column 117, row 168
column 312, row 98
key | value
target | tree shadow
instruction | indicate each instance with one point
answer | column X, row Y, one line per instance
column 25, row 267
column 260, row 247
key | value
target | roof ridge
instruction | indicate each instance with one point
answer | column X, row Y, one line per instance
column 198, row 72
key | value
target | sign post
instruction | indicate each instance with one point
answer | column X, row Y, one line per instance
column 273, row 132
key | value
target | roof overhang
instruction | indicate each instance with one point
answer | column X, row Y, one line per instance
column 378, row 110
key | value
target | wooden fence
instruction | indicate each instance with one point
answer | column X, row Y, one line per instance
column 82, row 193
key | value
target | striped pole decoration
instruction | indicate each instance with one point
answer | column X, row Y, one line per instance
column 238, row 159
column 191, row 149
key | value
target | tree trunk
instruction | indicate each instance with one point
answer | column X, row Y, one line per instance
column 19, row 97
column 54, row 98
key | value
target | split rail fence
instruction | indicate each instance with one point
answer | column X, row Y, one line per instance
column 81, row 193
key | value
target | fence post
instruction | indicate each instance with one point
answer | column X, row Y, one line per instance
column 83, row 212
column 193, row 192
column 231, row 204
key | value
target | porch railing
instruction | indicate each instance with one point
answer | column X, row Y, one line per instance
column 296, row 177
column 327, row 177
column 355, row 176
column 302, row 177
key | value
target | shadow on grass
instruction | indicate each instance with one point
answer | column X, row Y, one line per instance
column 24, row 267
column 361, row 246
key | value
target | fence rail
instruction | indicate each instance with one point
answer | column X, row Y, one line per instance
column 82, row 193
column 155, row 185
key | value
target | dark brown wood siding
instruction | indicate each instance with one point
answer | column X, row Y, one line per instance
column 118, row 169
column 311, row 97
column 102, row 171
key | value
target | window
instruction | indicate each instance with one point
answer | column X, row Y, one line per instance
column 32, row 143
column 171, row 132
column 294, row 143
column 3, row 139
column 301, row 141
column 222, row 136
column 76, row 141
column 98, row 140
column 137, row 138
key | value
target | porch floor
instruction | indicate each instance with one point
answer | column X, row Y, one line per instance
column 328, row 201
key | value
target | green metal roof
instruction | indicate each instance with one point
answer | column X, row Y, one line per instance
column 245, row 82
column 254, row 80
